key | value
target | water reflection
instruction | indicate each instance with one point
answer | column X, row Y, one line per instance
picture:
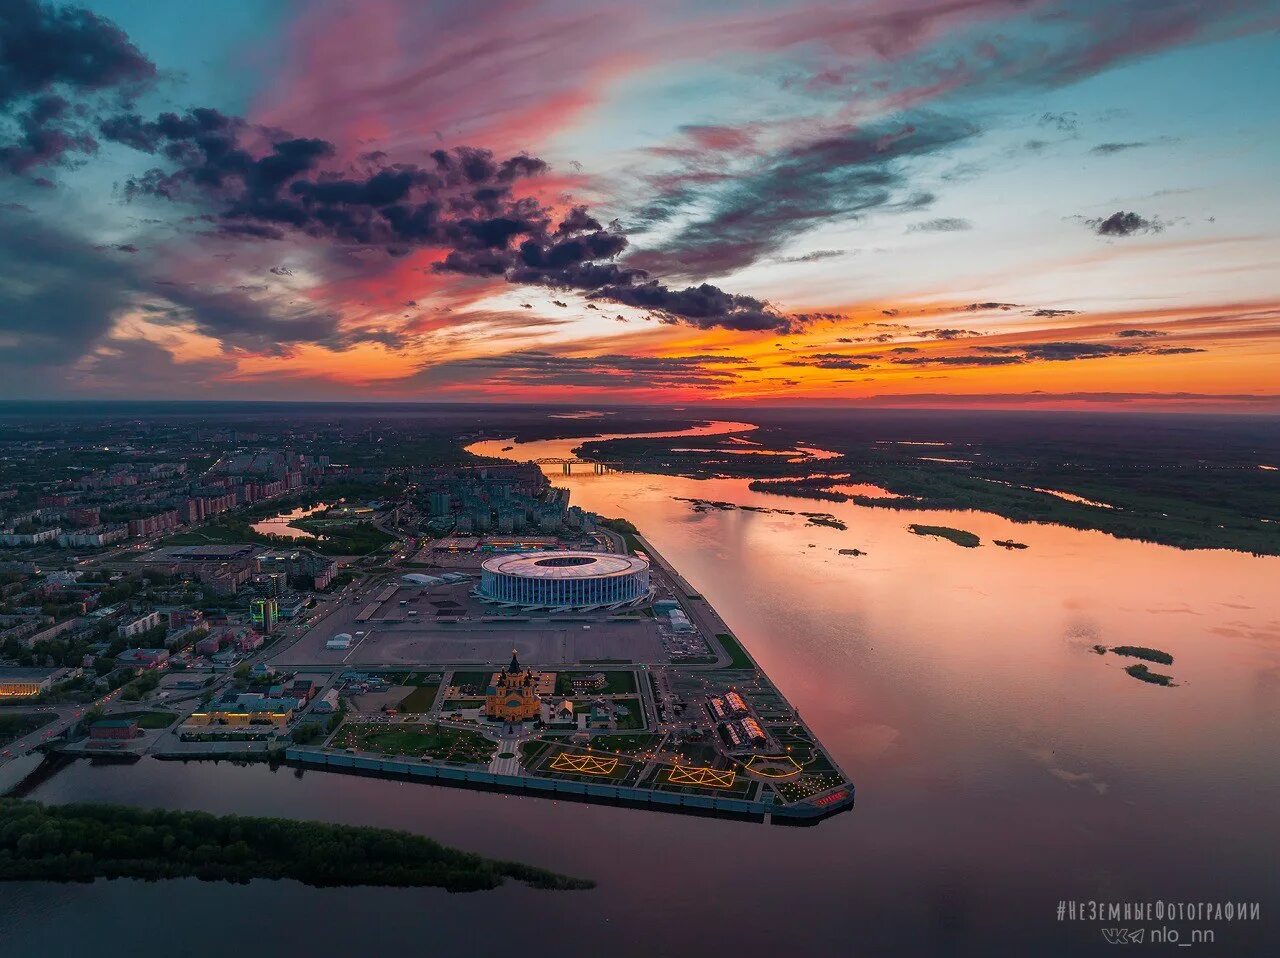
column 1001, row 765
column 280, row 525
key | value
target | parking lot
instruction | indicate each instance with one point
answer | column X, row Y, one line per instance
column 446, row 625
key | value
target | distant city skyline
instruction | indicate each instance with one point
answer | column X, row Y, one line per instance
column 1061, row 204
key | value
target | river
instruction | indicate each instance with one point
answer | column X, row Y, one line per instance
column 1001, row 765
column 279, row 525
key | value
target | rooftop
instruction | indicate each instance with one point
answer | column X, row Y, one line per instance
column 564, row 565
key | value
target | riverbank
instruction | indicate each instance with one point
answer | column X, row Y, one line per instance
column 81, row 842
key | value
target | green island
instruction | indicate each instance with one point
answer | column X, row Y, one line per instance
column 958, row 536
column 1140, row 671
column 82, row 842
column 1140, row 652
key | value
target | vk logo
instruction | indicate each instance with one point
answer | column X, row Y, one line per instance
column 1123, row 936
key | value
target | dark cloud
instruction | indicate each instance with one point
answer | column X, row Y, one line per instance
column 947, row 333
column 990, row 307
column 830, row 361
column 704, row 306
column 60, row 297
column 283, row 271
column 1065, row 122
column 58, row 67
column 531, row 368
column 905, row 349
column 1011, row 354
column 959, row 360
column 782, row 195
column 1107, row 149
column 815, row 257
column 1124, row 224
column 945, row 224
column 1057, row 352
column 1048, row 313
column 463, row 201
column 58, row 294
column 1139, row 333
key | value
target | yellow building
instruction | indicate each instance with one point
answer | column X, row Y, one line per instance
column 512, row 696
column 25, row 683
column 246, row 710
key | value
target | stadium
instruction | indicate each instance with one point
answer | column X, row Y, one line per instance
column 580, row 581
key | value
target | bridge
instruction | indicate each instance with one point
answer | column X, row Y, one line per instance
column 566, row 465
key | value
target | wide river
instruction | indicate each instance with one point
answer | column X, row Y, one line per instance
column 1001, row 765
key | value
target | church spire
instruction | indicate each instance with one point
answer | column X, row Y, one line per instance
column 514, row 667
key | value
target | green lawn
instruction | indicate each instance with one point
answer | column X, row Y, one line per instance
column 634, row 718
column 530, row 751
column 625, row 744
column 472, row 683
column 616, row 683
column 420, row 699
column 738, row 658
column 150, row 720
column 417, row 741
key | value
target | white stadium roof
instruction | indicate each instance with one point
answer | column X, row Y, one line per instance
column 564, row 565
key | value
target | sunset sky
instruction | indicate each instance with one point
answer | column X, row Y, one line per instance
column 1066, row 204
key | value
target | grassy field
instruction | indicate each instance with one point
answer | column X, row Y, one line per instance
column 616, row 683
column 634, row 719
column 417, row 741
column 625, row 744
column 958, row 536
column 150, row 720
column 738, row 658
column 420, row 699
column 530, row 751
column 615, row 771
column 472, row 683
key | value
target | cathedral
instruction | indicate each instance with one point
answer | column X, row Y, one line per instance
column 512, row 696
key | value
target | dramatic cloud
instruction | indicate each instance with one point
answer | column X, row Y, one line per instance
column 57, row 66
column 1008, row 355
column 1139, row 333
column 463, row 202
column 831, row 361
column 1047, row 313
column 529, row 368
column 58, row 294
column 60, row 297
column 948, row 333
column 1124, row 224
column 959, row 360
column 1061, row 352
column 781, row 195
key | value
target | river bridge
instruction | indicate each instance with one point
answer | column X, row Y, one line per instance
column 566, row 464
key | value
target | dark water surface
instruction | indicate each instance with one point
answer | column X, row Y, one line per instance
column 1001, row 766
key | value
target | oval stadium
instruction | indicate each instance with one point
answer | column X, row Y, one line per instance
column 564, row 580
